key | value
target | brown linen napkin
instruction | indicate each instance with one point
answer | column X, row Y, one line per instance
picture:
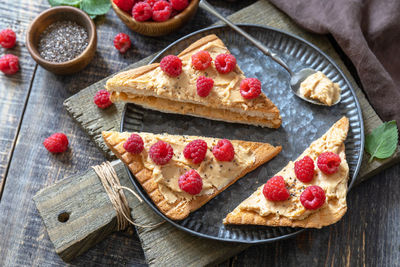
column 368, row 31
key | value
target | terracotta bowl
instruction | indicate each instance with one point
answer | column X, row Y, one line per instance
column 41, row 22
column 153, row 28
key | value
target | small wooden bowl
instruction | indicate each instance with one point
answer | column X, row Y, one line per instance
column 61, row 13
column 153, row 28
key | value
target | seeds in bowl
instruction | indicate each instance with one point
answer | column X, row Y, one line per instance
column 62, row 41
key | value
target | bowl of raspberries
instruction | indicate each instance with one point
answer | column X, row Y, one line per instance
column 155, row 17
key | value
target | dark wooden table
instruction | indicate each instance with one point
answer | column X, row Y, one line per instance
column 31, row 109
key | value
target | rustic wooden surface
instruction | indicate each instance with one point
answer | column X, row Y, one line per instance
column 32, row 109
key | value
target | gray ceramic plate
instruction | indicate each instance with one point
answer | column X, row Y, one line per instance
column 301, row 124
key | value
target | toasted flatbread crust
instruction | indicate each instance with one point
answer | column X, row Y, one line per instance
column 181, row 208
column 201, row 111
column 326, row 215
column 269, row 113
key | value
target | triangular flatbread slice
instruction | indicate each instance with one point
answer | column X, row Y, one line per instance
column 161, row 182
column 150, row 87
column 256, row 209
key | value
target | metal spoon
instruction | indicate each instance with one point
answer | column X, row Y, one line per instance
column 296, row 78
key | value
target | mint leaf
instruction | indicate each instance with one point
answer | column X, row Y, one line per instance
column 92, row 7
column 382, row 142
column 74, row 3
column 95, row 7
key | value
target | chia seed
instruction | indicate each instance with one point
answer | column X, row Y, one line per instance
column 62, row 41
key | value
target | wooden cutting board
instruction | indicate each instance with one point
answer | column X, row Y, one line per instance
column 78, row 214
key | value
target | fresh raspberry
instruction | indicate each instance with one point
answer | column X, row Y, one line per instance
column 102, row 99
column 328, row 162
column 142, row 11
column 204, row 86
column 161, row 152
column 134, row 144
column 250, row 88
column 151, row 2
column 275, row 189
column 196, row 151
column 179, row 4
column 56, row 143
column 201, row 60
column 161, row 11
column 304, row 169
column 125, row 5
column 313, row 197
column 7, row 38
column 191, row 182
column 9, row 64
column 174, row 13
column 171, row 65
column 224, row 150
column 122, row 42
column 225, row 63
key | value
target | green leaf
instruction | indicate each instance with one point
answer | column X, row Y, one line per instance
column 74, row 3
column 382, row 142
column 96, row 7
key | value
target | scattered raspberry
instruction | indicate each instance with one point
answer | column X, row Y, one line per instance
column 161, row 11
column 304, row 169
column 56, row 143
column 179, row 4
column 134, row 144
column 151, row 2
column 9, row 64
column 224, row 150
column 204, row 86
column 7, row 38
column 142, row 11
column 201, row 60
column 125, row 5
column 161, row 152
column 275, row 189
column 171, row 65
column 250, row 88
column 313, row 197
column 225, row 63
column 122, row 42
column 102, row 99
column 328, row 162
column 191, row 182
column 196, row 151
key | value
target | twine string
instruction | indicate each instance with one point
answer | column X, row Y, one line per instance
column 114, row 190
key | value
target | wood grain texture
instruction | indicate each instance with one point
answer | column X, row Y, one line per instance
column 93, row 219
column 14, row 89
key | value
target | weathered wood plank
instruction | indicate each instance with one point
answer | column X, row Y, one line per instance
column 93, row 219
column 14, row 89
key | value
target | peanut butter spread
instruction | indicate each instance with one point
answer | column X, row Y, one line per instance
column 319, row 87
column 225, row 93
column 334, row 185
column 215, row 174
